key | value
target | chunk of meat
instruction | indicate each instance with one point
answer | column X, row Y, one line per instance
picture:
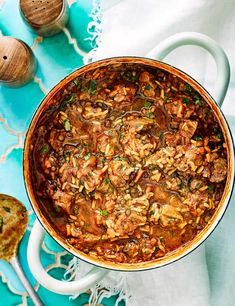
column 218, row 170
column 186, row 159
column 122, row 94
column 173, row 139
column 119, row 172
column 108, row 144
column 166, row 214
column 160, row 118
column 62, row 199
column 135, row 144
column 188, row 128
column 86, row 218
column 197, row 198
column 175, row 108
column 125, row 225
column 144, row 77
column 179, row 110
column 147, row 85
column 164, row 196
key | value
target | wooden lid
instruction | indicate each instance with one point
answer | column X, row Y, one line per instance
column 41, row 12
column 17, row 63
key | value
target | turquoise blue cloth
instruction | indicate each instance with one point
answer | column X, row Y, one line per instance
column 56, row 58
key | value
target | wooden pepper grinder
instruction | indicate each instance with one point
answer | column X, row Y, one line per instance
column 45, row 17
column 17, row 62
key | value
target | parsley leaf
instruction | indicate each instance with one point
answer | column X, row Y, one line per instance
column 66, row 102
column 92, row 87
column 150, row 115
column 87, row 156
column 198, row 102
column 45, row 149
column 147, row 87
column 188, row 88
column 185, row 101
column 107, row 180
column 7, row 209
column 147, row 104
column 104, row 212
column 198, row 138
column 75, row 210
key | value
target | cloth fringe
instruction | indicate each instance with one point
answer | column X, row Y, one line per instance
column 115, row 283
column 94, row 30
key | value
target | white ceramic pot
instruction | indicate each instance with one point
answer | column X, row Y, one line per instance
column 98, row 271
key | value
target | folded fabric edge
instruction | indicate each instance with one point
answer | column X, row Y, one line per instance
column 94, row 29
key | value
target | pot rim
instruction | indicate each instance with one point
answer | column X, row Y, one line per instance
column 181, row 251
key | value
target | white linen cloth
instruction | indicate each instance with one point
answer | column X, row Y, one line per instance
column 134, row 27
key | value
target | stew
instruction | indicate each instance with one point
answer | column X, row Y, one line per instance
column 129, row 163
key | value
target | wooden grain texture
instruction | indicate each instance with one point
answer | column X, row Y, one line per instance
column 46, row 17
column 17, row 62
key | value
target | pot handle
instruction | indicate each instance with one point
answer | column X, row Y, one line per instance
column 201, row 40
column 47, row 281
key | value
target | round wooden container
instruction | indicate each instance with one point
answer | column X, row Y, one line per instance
column 45, row 17
column 17, row 62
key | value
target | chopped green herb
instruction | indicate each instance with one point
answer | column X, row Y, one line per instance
column 107, row 180
column 185, row 101
column 66, row 102
column 116, row 147
column 7, row 209
column 198, row 186
column 57, row 209
column 207, row 111
column 162, row 240
column 129, row 76
column 198, row 138
column 219, row 136
column 1, row 223
column 104, row 212
column 161, row 135
column 77, row 83
column 118, row 158
column 188, row 88
column 147, row 104
column 45, row 149
column 134, row 77
column 67, row 125
column 188, row 181
column 92, row 87
column 180, row 183
column 75, row 211
column 152, row 212
column 148, row 87
column 198, row 102
column 103, row 160
column 210, row 188
column 84, row 144
column 86, row 157
column 166, row 97
column 150, row 115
